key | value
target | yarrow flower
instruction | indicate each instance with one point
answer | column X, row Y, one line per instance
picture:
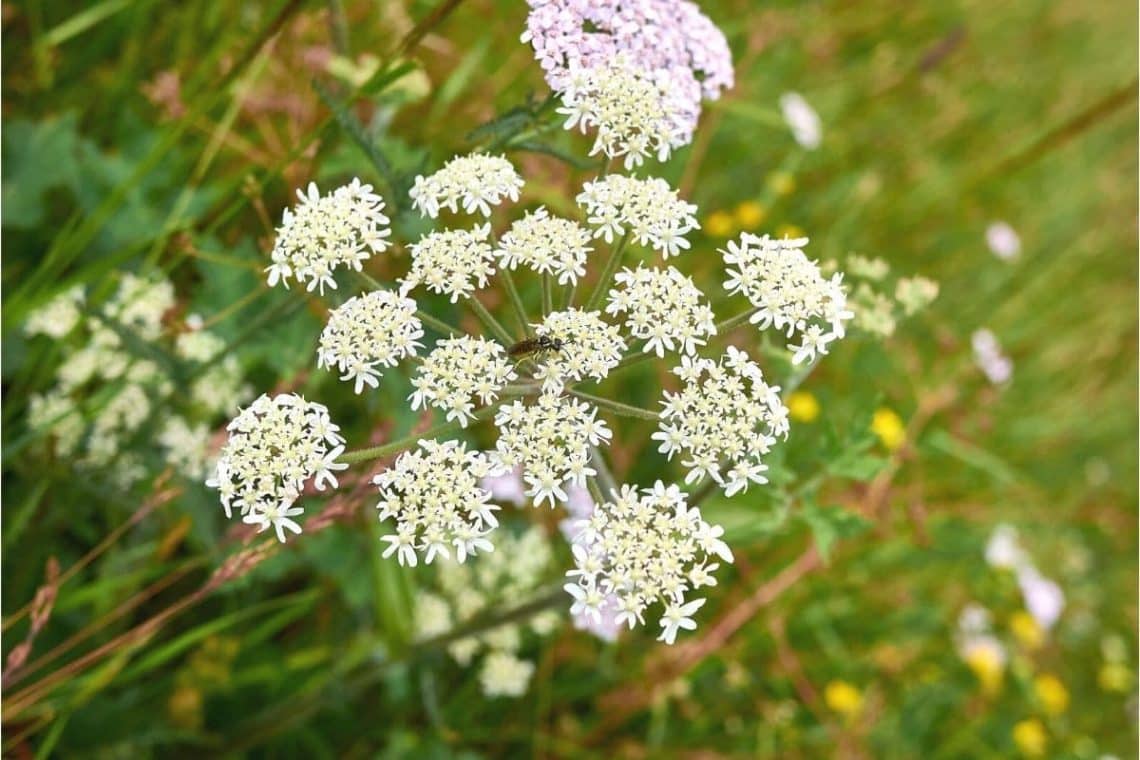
column 788, row 291
column 633, row 114
column 276, row 445
column 454, row 262
column 802, row 120
column 725, row 416
column 342, row 228
column 459, row 369
column 645, row 548
column 474, row 182
column 434, row 496
column 648, row 209
column 550, row 439
column 546, row 244
column 668, row 41
column 591, row 347
column 368, row 332
column 664, row 308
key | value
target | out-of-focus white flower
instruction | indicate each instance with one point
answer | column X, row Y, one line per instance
column 788, row 291
column 546, row 244
column 186, row 447
column 474, row 183
column 1043, row 598
column 57, row 317
column 56, row 414
column 1003, row 241
column 432, row 616
column 138, row 305
column 590, row 348
column 664, row 308
column 504, row 675
column 453, row 262
column 550, row 439
column 974, row 619
column 324, row 232
column 725, row 416
column 634, row 114
column 915, row 293
column 648, row 209
column 434, row 496
column 645, row 547
column 995, row 365
column 508, row 486
column 276, row 445
column 368, row 332
column 802, row 120
column 1003, row 550
column 458, row 370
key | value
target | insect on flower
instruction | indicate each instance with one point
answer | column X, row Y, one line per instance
column 540, row 345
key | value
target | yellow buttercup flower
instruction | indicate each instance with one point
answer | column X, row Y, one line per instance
column 1052, row 693
column 750, row 215
column 1030, row 737
column 720, row 224
column 843, row 698
column 803, row 407
column 888, row 426
column 1026, row 630
column 988, row 666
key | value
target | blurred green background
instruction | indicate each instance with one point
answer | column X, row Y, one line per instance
column 172, row 135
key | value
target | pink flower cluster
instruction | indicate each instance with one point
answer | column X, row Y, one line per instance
column 671, row 42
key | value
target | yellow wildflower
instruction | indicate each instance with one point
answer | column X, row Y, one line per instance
column 803, row 407
column 889, row 427
column 185, row 707
column 789, row 231
column 843, row 698
column 720, row 224
column 1114, row 676
column 1029, row 736
column 1026, row 630
column 988, row 666
column 1052, row 693
column 782, row 183
column 750, row 215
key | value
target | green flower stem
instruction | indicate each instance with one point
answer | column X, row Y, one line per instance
column 604, row 475
column 595, row 491
column 618, row 408
column 437, row 324
column 369, row 280
column 408, row 441
column 731, row 322
column 547, row 295
column 488, row 320
column 516, row 300
column 632, row 359
column 571, row 291
column 603, row 285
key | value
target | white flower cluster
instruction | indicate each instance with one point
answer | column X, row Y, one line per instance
column 434, row 495
column 219, row 389
column 802, row 120
column 546, row 244
column 187, row 446
column 140, row 303
column 1043, row 598
column 725, row 416
column 645, row 548
column 631, row 112
column 991, row 360
column 343, row 228
column 458, row 369
column 454, row 262
column 664, row 308
column 369, row 332
column 550, row 439
column 590, row 347
column 474, row 182
column 648, row 208
column 275, row 446
column 57, row 317
column 508, row 575
column 788, row 291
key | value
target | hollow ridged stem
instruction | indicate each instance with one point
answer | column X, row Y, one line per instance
column 603, row 285
column 488, row 320
column 731, row 322
column 624, row 410
column 516, row 300
column 547, row 295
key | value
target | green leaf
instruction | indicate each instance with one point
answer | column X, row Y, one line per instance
column 857, row 466
column 829, row 524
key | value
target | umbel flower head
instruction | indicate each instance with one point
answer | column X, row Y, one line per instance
column 632, row 114
column 550, row 439
column 725, row 417
column 474, row 183
column 453, row 262
column 590, row 347
column 324, row 232
column 434, row 495
column 276, row 445
column 459, row 369
column 547, row 245
column 645, row 548
column 664, row 308
column 788, row 291
column 368, row 332
column 648, row 209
